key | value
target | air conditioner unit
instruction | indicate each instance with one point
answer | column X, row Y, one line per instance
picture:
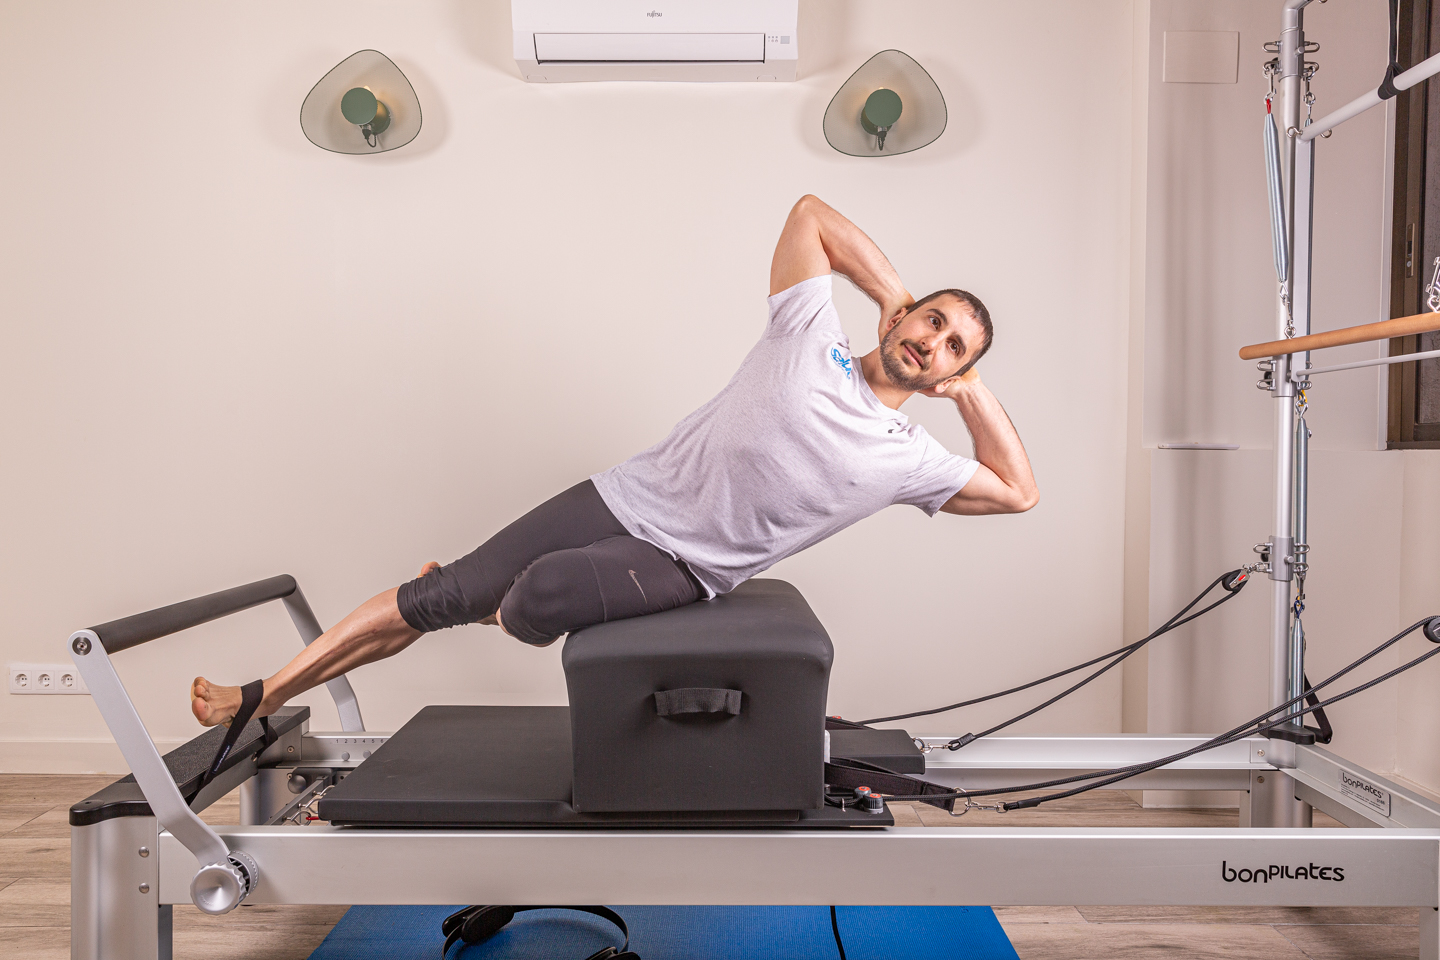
column 567, row 40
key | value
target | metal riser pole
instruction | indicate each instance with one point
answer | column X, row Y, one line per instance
column 1274, row 804
column 115, row 909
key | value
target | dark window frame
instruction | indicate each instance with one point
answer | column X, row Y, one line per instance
column 1419, row 37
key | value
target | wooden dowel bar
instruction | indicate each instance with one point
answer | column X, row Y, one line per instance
column 1365, row 332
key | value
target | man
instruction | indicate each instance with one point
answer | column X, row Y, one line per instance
column 803, row 442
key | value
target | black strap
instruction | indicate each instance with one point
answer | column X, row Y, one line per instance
column 1325, row 733
column 848, row 774
column 669, row 703
column 478, row 923
column 250, row 696
column 1386, row 90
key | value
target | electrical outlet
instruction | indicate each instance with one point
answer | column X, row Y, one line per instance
column 48, row 678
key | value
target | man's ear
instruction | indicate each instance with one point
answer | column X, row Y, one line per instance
column 900, row 315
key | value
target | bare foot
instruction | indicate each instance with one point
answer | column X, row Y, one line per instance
column 213, row 704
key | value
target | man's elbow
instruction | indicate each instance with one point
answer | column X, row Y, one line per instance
column 1023, row 500
column 808, row 205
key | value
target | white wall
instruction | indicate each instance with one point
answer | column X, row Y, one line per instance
column 1418, row 716
column 228, row 354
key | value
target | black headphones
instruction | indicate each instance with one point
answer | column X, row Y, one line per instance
column 479, row 923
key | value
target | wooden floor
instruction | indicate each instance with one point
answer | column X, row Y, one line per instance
column 35, row 896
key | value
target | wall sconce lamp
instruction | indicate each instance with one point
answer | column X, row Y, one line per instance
column 888, row 107
column 363, row 105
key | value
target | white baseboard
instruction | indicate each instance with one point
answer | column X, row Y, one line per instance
column 68, row 756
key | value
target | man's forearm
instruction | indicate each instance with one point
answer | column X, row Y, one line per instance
column 997, row 444
column 856, row 256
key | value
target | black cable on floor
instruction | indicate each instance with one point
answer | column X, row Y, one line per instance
column 835, row 925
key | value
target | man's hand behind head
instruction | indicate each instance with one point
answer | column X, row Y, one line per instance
column 955, row 387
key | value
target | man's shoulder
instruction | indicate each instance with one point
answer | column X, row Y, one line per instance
column 805, row 307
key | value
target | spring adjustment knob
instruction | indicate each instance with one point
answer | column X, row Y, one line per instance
column 221, row 887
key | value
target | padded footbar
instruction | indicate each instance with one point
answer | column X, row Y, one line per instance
column 187, row 764
column 131, row 631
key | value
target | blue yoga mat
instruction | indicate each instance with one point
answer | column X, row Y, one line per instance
column 683, row 933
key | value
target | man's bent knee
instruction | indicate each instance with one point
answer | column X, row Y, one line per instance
column 552, row 596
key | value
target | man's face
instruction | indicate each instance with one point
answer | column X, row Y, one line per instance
column 930, row 344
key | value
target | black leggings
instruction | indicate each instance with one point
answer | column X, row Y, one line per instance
column 566, row 564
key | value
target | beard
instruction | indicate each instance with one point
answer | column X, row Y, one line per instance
column 894, row 365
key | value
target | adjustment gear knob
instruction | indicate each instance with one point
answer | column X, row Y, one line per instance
column 221, row 887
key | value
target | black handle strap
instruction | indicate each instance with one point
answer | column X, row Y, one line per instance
column 1325, row 732
column 250, row 696
column 1386, row 90
column 669, row 703
column 478, row 923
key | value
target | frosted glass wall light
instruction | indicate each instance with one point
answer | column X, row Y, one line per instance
column 887, row 107
column 363, row 105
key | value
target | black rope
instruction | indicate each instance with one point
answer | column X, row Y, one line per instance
column 961, row 741
column 1036, row 801
column 1232, row 582
column 1257, row 725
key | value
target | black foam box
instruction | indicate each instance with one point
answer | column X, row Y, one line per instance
column 718, row 705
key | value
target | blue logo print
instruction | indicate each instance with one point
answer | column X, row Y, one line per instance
column 844, row 362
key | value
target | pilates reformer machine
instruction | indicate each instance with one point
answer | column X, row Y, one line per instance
column 694, row 762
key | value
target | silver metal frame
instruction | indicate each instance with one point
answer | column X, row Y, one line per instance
column 128, row 871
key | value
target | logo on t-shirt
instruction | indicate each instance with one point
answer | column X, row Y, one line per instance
column 844, row 362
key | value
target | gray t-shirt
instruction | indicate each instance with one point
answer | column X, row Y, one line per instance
column 795, row 449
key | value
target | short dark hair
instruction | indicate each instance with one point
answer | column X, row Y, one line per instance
column 977, row 310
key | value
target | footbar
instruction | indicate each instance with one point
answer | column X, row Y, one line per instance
column 226, row 877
